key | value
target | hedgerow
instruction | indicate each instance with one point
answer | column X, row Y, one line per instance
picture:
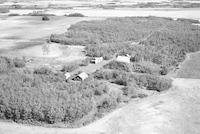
column 150, row 82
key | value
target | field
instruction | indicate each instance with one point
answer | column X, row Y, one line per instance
column 26, row 36
column 190, row 68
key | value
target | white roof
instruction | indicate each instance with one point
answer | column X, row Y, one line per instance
column 98, row 58
column 83, row 75
column 67, row 75
column 123, row 59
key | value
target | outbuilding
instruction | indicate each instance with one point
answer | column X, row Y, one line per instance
column 125, row 59
column 67, row 75
column 96, row 60
column 81, row 77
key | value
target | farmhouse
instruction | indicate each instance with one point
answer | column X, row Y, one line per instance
column 96, row 60
column 125, row 58
column 67, row 75
column 81, row 77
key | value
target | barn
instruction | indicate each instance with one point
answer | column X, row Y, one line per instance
column 125, row 59
column 81, row 77
column 67, row 75
column 96, row 60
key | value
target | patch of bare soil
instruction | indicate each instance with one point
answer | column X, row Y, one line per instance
column 176, row 111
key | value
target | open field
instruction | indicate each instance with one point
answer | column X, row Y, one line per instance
column 26, row 36
column 190, row 68
column 21, row 29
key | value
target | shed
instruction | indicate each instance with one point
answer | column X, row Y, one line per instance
column 80, row 77
column 125, row 59
column 96, row 60
column 67, row 75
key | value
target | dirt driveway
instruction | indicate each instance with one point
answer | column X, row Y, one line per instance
column 176, row 111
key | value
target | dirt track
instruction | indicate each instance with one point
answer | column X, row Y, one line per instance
column 176, row 111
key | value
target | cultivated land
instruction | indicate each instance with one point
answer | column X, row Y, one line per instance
column 144, row 96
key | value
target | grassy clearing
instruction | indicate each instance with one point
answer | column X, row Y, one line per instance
column 191, row 67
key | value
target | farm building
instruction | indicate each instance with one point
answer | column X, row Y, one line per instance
column 125, row 58
column 81, row 77
column 67, row 75
column 96, row 60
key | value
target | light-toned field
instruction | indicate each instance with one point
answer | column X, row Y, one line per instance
column 23, row 28
column 190, row 68
column 25, row 36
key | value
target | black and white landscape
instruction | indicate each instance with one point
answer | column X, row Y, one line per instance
column 99, row 67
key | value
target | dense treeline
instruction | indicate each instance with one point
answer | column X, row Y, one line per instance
column 163, row 41
column 130, row 67
column 150, row 82
column 44, row 97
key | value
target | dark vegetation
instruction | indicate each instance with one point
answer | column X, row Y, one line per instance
column 132, row 67
column 75, row 15
column 188, row 20
column 70, row 67
column 150, row 82
column 39, row 13
column 7, row 64
column 41, row 96
column 45, row 18
column 162, row 41
column 85, row 62
column 14, row 14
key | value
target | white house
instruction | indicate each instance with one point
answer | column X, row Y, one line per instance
column 81, row 77
column 124, row 59
column 96, row 60
column 67, row 75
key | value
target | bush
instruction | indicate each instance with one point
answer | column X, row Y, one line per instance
column 164, row 70
column 141, row 69
column 75, row 15
column 38, row 97
column 38, row 13
column 85, row 62
column 121, row 66
column 45, row 18
column 19, row 63
column 14, row 14
column 43, row 70
column 133, row 91
column 70, row 67
column 188, row 20
column 5, row 64
column 150, row 82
